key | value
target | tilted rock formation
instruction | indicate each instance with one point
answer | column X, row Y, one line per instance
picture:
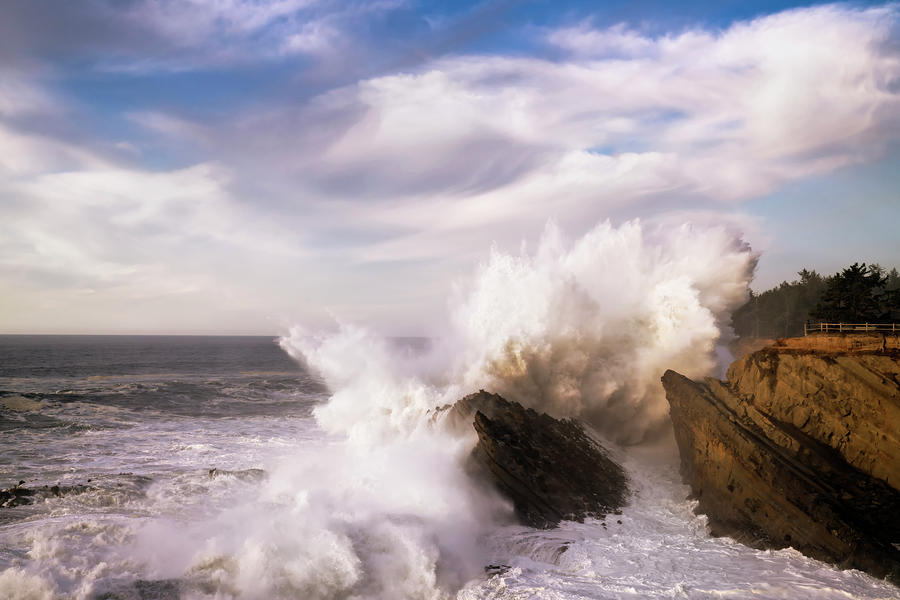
column 550, row 469
column 798, row 448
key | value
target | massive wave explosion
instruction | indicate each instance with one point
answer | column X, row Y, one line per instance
column 581, row 329
column 575, row 329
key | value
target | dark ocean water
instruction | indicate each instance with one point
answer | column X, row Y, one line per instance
column 59, row 394
column 135, row 423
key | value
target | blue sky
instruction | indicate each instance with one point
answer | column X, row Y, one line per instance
column 241, row 165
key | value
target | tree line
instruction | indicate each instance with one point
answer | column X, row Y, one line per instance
column 858, row 294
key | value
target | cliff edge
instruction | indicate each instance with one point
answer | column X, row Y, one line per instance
column 798, row 447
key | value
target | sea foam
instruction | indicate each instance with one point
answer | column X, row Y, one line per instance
column 581, row 328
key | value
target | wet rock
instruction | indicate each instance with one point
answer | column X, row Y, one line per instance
column 15, row 496
column 496, row 569
column 250, row 475
column 144, row 589
column 550, row 469
column 798, row 448
column 20, row 496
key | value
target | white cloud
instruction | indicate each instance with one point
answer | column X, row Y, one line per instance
column 194, row 22
column 435, row 164
column 496, row 145
column 196, row 34
column 169, row 125
column 615, row 41
column 19, row 95
column 312, row 38
column 27, row 154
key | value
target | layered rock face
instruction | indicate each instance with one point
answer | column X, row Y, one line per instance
column 798, row 448
column 550, row 469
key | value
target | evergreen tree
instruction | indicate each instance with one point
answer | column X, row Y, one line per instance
column 858, row 294
column 889, row 299
column 855, row 295
column 781, row 311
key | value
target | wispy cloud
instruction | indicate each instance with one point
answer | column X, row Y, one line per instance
column 372, row 188
column 146, row 36
column 702, row 118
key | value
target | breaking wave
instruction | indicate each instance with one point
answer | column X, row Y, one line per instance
column 576, row 329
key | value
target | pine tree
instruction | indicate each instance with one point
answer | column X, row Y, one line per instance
column 858, row 294
column 853, row 295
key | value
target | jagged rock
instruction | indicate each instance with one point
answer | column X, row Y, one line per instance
column 550, row 469
column 20, row 496
column 15, row 496
column 798, row 448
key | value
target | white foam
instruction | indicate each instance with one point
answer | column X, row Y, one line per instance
column 583, row 328
column 658, row 548
column 385, row 521
column 18, row 584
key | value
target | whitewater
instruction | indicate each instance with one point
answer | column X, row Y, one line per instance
column 315, row 466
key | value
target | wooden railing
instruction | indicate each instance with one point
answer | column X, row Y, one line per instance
column 850, row 328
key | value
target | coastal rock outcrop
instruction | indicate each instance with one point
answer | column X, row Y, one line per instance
column 550, row 469
column 798, row 447
column 20, row 496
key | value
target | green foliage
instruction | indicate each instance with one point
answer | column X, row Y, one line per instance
column 780, row 311
column 893, row 280
column 858, row 294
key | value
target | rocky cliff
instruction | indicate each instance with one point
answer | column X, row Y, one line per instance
column 551, row 470
column 798, row 447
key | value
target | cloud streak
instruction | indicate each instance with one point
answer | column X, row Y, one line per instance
column 698, row 118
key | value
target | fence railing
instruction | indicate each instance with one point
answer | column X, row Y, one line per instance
column 850, row 327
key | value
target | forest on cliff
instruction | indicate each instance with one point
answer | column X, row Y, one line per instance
column 858, row 294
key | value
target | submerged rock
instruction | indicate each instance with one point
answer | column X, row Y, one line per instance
column 146, row 589
column 798, row 448
column 250, row 475
column 551, row 470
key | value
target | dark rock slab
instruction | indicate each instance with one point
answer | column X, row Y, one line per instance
column 786, row 453
column 551, row 470
column 18, row 495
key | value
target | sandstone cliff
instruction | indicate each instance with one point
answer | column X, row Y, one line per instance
column 799, row 447
column 551, row 470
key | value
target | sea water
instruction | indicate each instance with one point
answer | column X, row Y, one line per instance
column 142, row 420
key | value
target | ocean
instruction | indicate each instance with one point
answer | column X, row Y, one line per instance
column 213, row 468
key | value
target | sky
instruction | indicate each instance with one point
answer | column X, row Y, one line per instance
column 238, row 166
